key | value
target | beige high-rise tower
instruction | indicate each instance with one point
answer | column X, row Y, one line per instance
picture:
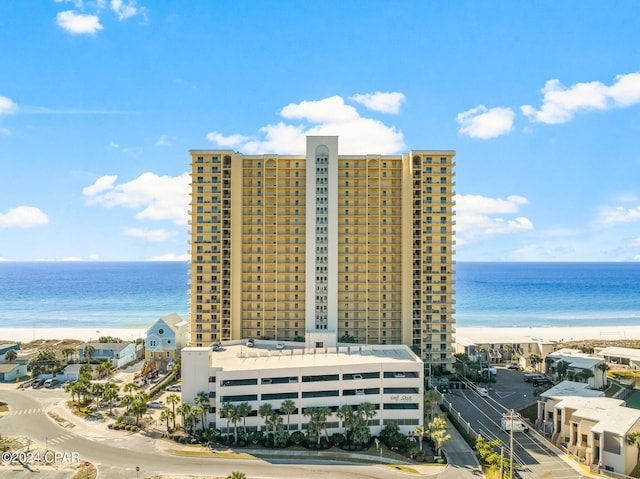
column 324, row 248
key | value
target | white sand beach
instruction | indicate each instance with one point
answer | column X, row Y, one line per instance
column 562, row 334
column 485, row 335
column 84, row 334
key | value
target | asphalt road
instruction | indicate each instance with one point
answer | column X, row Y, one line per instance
column 117, row 457
column 536, row 456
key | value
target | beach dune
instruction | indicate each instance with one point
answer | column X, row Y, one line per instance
column 25, row 335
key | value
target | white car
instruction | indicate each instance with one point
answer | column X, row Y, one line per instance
column 155, row 404
column 482, row 392
column 174, row 387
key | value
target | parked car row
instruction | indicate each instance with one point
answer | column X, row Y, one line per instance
column 39, row 383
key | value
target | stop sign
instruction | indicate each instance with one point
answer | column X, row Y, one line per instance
column 137, row 468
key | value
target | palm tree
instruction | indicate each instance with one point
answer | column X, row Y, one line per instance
column 604, row 367
column 346, row 415
column 127, row 401
column 244, row 409
column 234, row 416
column 109, row 393
column 68, row 352
column 561, row 368
column 431, row 398
column 264, row 412
column 237, row 475
column 11, row 355
column 367, row 411
column 129, row 388
column 288, row 407
column 225, row 411
column 420, row 432
column 548, row 362
column 535, row 359
column 72, row 388
column 88, row 352
column 586, row 374
column 138, row 408
column 317, row 421
column 167, row 415
column 633, row 439
column 173, row 399
column 96, row 389
column 184, row 410
column 438, row 432
column 202, row 399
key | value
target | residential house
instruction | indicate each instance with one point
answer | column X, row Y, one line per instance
column 493, row 347
column 595, row 430
column 627, row 356
column 164, row 340
column 4, row 347
column 119, row 354
column 578, row 363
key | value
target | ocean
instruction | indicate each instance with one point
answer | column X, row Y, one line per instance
column 134, row 294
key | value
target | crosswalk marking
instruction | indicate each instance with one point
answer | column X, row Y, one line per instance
column 59, row 439
column 20, row 412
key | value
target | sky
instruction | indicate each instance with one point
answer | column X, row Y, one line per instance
column 101, row 100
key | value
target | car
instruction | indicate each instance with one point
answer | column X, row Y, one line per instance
column 267, row 380
column 250, row 343
column 155, row 404
column 280, row 346
column 513, row 366
column 540, row 382
column 357, row 376
column 50, row 383
column 174, row 387
column 398, row 375
column 529, row 378
column 482, row 392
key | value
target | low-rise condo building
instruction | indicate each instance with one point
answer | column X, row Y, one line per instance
column 390, row 377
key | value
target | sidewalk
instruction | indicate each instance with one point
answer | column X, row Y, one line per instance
column 462, row 460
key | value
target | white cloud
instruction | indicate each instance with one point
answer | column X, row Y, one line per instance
column 226, row 141
column 332, row 109
column 619, row 214
column 170, row 257
column 158, row 197
column 78, row 23
column 7, row 106
column 124, row 10
column 23, row 217
column 102, row 184
column 72, row 258
column 5, row 131
column 149, row 235
column 329, row 116
column 560, row 103
column 480, row 122
column 165, row 140
column 386, row 102
column 3, row 259
column 475, row 217
column 94, row 257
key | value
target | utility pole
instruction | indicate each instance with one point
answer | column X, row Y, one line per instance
column 512, row 412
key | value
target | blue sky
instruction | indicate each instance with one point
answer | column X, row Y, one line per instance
column 100, row 102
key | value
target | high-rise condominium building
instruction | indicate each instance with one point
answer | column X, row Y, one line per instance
column 324, row 247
